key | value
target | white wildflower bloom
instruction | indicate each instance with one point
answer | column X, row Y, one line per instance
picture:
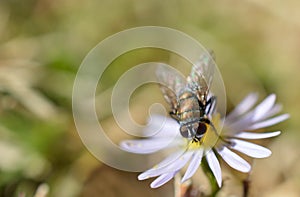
column 237, row 128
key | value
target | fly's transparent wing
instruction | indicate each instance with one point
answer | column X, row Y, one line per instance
column 201, row 76
column 171, row 84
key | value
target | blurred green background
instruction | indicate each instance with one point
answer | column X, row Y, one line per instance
column 42, row 44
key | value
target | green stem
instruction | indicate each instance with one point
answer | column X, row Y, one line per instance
column 213, row 182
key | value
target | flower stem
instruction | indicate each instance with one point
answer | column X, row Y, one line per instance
column 246, row 187
column 213, row 182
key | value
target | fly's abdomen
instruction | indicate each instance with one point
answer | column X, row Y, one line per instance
column 189, row 114
column 189, row 109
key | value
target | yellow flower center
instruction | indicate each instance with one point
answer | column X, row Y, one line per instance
column 211, row 136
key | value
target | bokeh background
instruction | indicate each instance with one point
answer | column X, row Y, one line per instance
column 42, row 44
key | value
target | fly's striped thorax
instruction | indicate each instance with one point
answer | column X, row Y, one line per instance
column 189, row 109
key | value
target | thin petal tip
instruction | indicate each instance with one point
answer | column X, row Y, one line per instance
column 248, row 170
column 153, row 185
column 142, row 177
column 272, row 96
column 184, row 179
column 123, row 145
column 219, row 183
column 276, row 133
column 287, row 116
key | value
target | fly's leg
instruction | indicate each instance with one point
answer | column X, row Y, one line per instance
column 211, row 103
column 174, row 115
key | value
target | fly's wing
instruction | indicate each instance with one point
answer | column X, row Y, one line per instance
column 171, row 84
column 201, row 76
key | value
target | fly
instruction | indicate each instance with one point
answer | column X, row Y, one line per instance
column 190, row 100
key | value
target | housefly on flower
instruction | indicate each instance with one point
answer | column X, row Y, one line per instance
column 190, row 99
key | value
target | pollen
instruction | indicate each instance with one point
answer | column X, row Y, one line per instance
column 194, row 144
column 212, row 135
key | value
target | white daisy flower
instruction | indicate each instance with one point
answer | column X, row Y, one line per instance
column 237, row 128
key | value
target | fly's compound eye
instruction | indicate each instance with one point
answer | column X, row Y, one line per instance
column 202, row 128
column 185, row 132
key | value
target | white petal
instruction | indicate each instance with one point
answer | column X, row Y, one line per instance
column 167, row 161
column 214, row 165
column 269, row 122
column 193, row 166
column 245, row 105
column 248, row 135
column 147, row 146
column 163, row 164
column 275, row 110
column 233, row 160
column 261, row 109
column 250, row 149
column 239, row 124
column 171, row 167
column 162, row 179
column 161, row 126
